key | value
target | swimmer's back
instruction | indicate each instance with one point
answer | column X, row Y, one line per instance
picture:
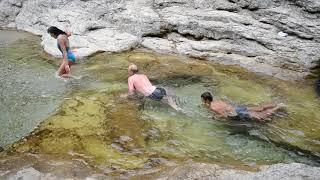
column 141, row 83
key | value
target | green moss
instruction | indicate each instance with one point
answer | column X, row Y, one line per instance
column 95, row 117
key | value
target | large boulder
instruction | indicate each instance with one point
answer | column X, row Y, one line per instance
column 8, row 12
column 312, row 6
column 278, row 38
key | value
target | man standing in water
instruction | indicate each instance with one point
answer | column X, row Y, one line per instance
column 224, row 109
column 140, row 83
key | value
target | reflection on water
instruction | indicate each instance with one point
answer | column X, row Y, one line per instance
column 95, row 123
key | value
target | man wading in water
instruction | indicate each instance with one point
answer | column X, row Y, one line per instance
column 141, row 84
column 226, row 110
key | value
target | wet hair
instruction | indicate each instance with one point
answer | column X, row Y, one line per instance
column 207, row 96
column 133, row 68
column 135, row 71
column 55, row 31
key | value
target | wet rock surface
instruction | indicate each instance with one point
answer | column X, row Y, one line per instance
column 208, row 171
column 40, row 167
column 43, row 167
column 245, row 33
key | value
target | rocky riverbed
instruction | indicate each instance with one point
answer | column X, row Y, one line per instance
column 35, row 167
column 278, row 38
column 89, row 137
column 86, row 131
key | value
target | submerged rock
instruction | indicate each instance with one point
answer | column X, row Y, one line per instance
column 153, row 133
column 154, row 162
column 28, row 174
column 209, row 171
column 47, row 167
column 124, row 139
column 43, row 167
column 91, row 119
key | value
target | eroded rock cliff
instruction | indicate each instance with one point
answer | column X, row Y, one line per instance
column 279, row 38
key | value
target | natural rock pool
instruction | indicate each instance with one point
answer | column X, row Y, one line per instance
column 85, row 117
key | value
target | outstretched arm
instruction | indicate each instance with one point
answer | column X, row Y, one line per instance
column 67, row 30
column 64, row 69
column 130, row 87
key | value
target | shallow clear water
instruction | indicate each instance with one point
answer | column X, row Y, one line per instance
column 28, row 90
column 93, row 120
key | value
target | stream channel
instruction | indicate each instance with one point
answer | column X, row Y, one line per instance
column 85, row 116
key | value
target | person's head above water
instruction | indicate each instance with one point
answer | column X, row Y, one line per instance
column 206, row 97
column 132, row 69
column 55, row 32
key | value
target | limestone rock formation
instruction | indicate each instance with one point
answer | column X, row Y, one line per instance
column 209, row 171
column 279, row 38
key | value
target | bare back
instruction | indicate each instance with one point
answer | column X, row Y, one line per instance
column 64, row 40
column 141, row 84
column 221, row 108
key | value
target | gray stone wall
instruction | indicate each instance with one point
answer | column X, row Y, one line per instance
column 275, row 37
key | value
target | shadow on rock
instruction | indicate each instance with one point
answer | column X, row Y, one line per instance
column 317, row 86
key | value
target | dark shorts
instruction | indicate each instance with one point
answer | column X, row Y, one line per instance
column 158, row 94
column 242, row 112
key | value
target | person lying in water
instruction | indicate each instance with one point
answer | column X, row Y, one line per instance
column 69, row 58
column 226, row 110
column 140, row 83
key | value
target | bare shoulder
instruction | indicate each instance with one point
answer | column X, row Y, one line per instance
column 213, row 105
column 62, row 38
column 216, row 102
column 219, row 102
column 140, row 76
column 132, row 78
column 145, row 76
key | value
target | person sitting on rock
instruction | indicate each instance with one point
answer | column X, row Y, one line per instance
column 225, row 110
column 69, row 57
column 141, row 84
